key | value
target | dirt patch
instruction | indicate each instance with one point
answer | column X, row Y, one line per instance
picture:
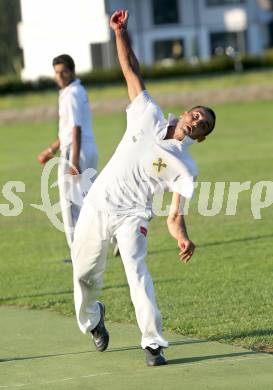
column 264, row 348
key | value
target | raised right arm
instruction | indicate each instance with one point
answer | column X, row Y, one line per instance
column 127, row 59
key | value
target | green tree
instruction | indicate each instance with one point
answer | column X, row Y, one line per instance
column 10, row 53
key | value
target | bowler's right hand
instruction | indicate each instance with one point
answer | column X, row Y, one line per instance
column 119, row 20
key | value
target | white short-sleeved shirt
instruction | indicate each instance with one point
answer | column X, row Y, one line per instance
column 74, row 110
column 144, row 163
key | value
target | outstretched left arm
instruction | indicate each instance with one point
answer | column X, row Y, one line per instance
column 177, row 228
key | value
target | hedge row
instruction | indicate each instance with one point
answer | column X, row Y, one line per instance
column 178, row 69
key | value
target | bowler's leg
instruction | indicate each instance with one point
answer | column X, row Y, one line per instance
column 132, row 243
column 89, row 250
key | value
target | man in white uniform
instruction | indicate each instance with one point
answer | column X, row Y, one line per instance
column 75, row 141
column 152, row 156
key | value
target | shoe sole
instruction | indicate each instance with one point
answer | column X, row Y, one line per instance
column 155, row 360
column 157, row 364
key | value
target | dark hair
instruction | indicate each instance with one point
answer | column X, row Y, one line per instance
column 211, row 112
column 66, row 60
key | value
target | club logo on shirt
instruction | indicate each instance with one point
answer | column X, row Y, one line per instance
column 143, row 230
column 159, row 164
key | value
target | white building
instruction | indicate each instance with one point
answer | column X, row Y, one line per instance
column 52, row 27
column 159, row 30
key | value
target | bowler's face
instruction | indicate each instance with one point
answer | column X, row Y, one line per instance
column 196, row 123
column 63, row 75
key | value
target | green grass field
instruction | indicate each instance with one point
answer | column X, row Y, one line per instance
column 225, row 293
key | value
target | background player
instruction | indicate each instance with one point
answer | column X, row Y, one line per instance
column 75, row 140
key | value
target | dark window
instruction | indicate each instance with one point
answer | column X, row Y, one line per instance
column 221, row 41
column 168, row 49
column 165, row 11
column 223, row 2
column 97, row 56
column 102, row 55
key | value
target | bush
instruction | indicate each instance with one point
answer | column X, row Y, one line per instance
column 12, row 84
column 264, row 61
column 102, row 76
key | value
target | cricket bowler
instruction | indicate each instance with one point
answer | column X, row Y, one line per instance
column 151, row 157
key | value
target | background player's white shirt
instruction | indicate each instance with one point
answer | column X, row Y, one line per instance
column 74, row 110
column 143, row 164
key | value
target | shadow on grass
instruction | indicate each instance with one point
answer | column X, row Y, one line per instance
column 15, row 359
column 131, row 348
column 217, row 243
column 48, row 293
column 110, row 350
column 196, row 359
column 70, row 292
column 243, row 334
column 172, row 343
column 243, row 239
column 187, row 341
column 43, row 294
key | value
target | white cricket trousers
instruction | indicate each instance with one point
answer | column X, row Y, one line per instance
column 71, row 211
column 92, row 235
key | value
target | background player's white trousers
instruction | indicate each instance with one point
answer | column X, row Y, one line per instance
column 92, row 235
column 69, row 185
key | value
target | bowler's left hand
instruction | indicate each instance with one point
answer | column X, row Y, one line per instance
column 187, row 249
